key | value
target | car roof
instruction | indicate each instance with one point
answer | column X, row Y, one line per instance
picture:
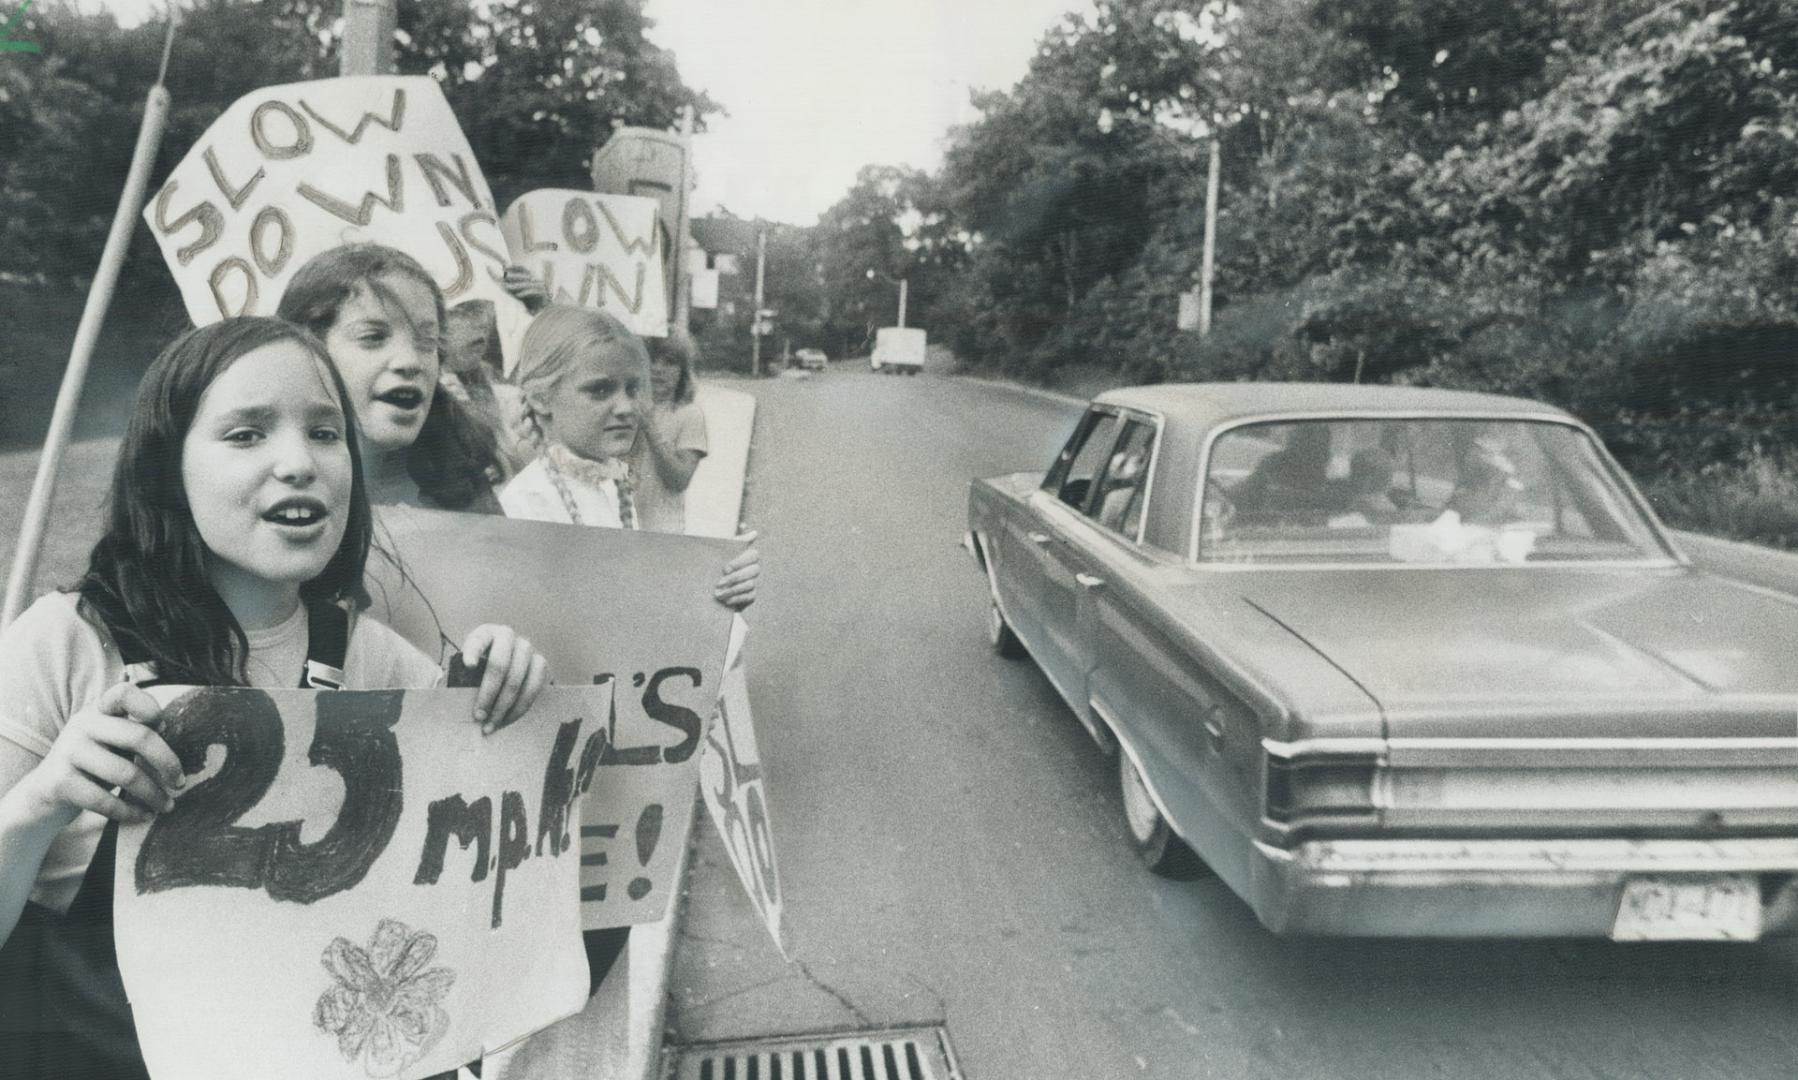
column 1214, row 403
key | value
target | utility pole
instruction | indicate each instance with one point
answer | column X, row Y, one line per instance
column 901, row 282
column 368, row 27
column 1207, row 260
column 755, row 337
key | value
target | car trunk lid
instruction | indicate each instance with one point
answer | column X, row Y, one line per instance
column 1564, row 702
column 1564, row 653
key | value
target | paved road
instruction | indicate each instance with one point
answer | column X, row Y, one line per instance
column 952, row 851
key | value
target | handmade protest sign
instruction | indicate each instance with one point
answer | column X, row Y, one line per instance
column 609, row 607
column 290, row 171
column 730, row 779
column 601, row 251
column 360, row 883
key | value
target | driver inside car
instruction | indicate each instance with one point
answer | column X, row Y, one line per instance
column 1489, row 492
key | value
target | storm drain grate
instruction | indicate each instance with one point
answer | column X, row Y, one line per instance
column 901, row 1054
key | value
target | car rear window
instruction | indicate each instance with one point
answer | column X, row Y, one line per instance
column 1416, row 491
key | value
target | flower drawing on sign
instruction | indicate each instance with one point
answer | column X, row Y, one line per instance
column 387, row 1006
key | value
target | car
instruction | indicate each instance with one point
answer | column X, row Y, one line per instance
column 1403, row 662
column 812, row 359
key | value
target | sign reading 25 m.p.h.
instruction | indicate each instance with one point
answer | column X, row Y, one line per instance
column 361, row 883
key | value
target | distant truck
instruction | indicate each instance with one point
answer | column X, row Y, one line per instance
column 898, row 349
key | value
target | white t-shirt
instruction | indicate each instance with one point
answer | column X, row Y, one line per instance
column 532, row 496
column 54, row 663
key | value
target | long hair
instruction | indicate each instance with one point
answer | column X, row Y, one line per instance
column 455, row 459
column 680, row 350
column 559, row 335
column 146, row 578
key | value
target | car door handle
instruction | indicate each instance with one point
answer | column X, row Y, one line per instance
column 1088, row 581
column 1039, row 539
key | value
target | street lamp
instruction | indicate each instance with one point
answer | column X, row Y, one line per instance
column 872, row 273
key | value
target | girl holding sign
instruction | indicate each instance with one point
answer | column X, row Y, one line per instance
column 381, row 316
column 233, row 556
column 587, row 383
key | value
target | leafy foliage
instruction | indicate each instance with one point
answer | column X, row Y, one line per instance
column 1592, row 202
column 536, row 84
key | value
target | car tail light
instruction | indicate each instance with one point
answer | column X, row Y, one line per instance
column 1307, row 789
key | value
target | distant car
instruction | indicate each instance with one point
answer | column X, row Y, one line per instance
column 1405, row 662
column 812, row 359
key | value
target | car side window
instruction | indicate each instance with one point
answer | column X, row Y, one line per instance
column 1087, row 452
column 1118, row 504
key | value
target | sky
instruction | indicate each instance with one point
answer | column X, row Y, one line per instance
column 815, row 89
column 818, row 88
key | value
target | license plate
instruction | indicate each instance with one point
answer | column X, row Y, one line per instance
column 1724, row 907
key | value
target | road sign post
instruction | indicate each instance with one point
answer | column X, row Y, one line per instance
column 368, row 27
column 654, row 164
column 755, row 339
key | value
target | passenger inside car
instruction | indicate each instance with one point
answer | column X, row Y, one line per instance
column 1366, row 493
column 1123, row 490
column 1488, row 491
column 1288, row 486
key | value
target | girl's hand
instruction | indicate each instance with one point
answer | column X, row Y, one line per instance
column 526, row 288
column 736, row 589
column 106, row 748
column 515, row 674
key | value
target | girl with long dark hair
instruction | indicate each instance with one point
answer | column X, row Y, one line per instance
column 382, row 320
column 233, row 556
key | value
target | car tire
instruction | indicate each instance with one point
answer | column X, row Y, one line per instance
column 999, row 632
column 1164, row 853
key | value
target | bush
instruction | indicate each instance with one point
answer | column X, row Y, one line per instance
column 1753, row 499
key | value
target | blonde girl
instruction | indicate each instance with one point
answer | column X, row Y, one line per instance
column 586, row 383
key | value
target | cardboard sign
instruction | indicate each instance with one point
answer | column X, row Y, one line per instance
column 605, row 607
column 291, row 171
column 360, row 884
column 730, row 779
column 601, row 251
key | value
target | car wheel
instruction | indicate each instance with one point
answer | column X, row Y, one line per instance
column 1166, row 854
column 999, row 632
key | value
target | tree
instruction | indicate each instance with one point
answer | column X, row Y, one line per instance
column 895, row 222
column 538, row 85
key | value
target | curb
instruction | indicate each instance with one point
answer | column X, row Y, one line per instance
column 648, row 1021
column 1034, row 391
column 651, row 959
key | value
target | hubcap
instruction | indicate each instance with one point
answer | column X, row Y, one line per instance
column 1139, row 810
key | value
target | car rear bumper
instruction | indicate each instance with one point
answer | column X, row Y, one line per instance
column 1499, row 888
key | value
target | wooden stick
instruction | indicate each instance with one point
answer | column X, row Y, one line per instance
column 93, row 316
